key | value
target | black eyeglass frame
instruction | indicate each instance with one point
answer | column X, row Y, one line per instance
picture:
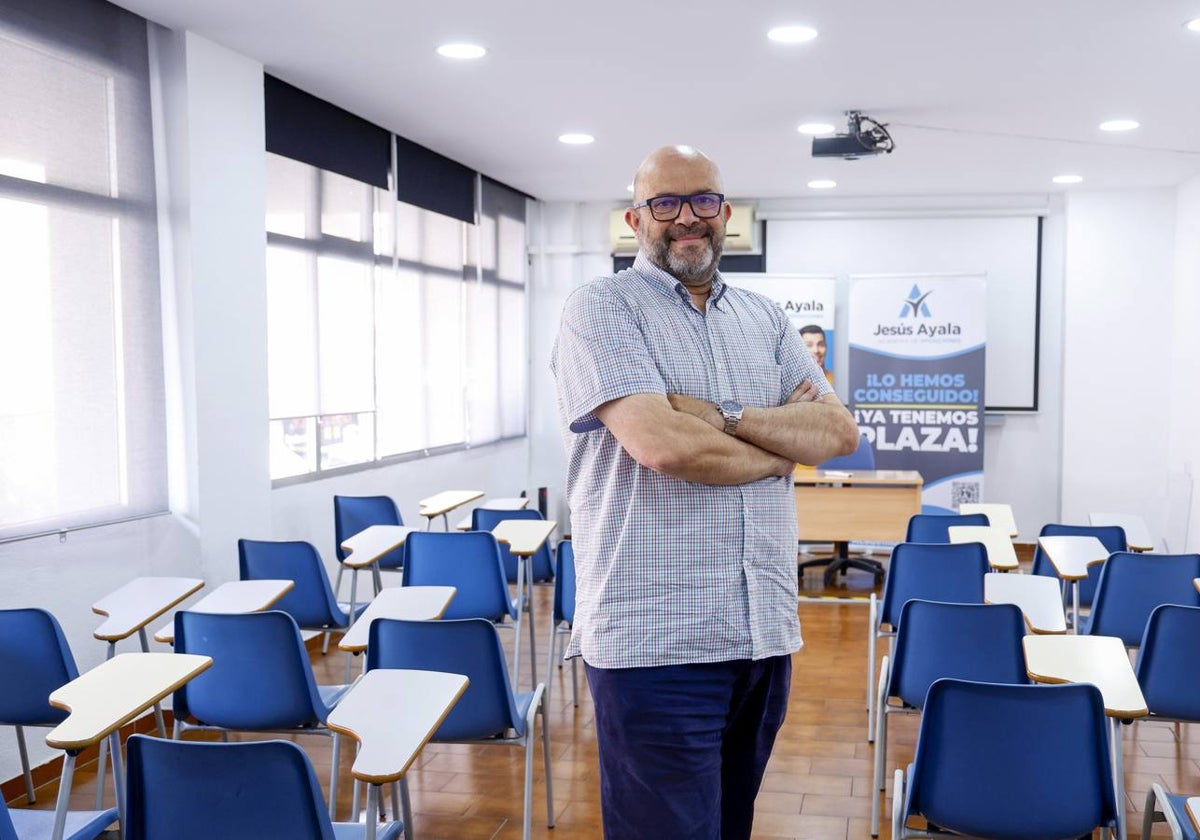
column 682, row 199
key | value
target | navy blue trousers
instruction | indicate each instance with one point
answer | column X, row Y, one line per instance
column 683, row 748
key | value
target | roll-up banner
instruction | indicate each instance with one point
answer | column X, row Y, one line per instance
column 916, row 370
column 808, row 301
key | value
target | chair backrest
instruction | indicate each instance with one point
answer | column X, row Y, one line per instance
column 541, row 567
column 311, row 601
column 1132, row 585
column 1171, row 644
column 8, row 831
column 34, row 661
column 978, row 739
column 469, row 646
column 261, row 676
column 1112, row 536
column 564, row 584
column 862, row 458
column 469, row 561
column 934, row 527
column 198, row 790
column 352, row 514
column 936, row 640
column 932, row 572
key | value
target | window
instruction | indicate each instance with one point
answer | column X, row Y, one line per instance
column 82, row 424
column 384, row 339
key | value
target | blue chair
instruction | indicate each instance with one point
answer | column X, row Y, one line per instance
column 237, row 791
column 862, row 458
column 978, row 740
column 1164, row 671
column 352, row 514
column 488, row 712
column 35, row 659
column 541, row 566
column 1112, row 537
column 36, row 824
column 936, row 640
column 469, row 561
column 931, row 572
column 1170, row 808
column 562, row 618
column 311, row 602
column 1169, row 648
column 261, row 679
column 1131, row 586
column 935, row 527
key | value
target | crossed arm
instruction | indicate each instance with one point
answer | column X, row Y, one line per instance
column 683, row 436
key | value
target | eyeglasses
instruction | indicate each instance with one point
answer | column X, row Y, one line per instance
column 666, row 208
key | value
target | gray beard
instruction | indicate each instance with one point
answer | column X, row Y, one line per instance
column 689, row 272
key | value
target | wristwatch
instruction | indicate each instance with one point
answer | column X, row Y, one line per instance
column 731, row 410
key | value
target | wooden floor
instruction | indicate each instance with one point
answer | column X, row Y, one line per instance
column 817, row 784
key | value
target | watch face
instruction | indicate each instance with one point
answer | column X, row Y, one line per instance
column 731, row 407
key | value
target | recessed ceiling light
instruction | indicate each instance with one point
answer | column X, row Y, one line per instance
column 792, row 34
column 1067, row 179
column 816, row 128
column 1119, row 125
column 576, row 139
column 1193, row 25
column 822, row 184
column 461, row 51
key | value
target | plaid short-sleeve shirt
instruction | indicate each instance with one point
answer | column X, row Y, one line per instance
column 670, row 571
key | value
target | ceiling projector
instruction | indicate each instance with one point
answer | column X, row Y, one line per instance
column 864, row 136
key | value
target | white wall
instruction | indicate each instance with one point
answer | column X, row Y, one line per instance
column 1183, row 387
column 1116, row 388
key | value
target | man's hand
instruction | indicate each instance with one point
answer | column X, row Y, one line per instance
column 806, row 391
column 706, row 411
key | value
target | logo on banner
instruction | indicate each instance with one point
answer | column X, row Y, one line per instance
column 915, row 304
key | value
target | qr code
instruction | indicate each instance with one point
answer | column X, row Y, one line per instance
column 964, row 491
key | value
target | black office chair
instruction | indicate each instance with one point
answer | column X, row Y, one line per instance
column 862, row 458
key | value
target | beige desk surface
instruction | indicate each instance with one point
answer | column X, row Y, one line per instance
column 512, row 503
column 1137, row 535
column 1193, row 809
column 115, row 692
column 1071, row 556
column 1100, row 660
column 234, row 596
column 137, row 603
column 447, row 501
column 413, row 603
column 996, row 541
column 373, row 542
column 809, row 477
column 524, row 536
column 999, row 515
column 392, row 714
column 1038, row 596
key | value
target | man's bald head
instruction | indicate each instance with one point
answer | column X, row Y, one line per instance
column 676, row 164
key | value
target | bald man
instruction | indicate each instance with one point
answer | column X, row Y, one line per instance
column 685, row 405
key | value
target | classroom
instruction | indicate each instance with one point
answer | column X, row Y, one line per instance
column 282, row 252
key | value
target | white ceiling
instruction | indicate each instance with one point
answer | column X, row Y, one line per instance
column 981, row 97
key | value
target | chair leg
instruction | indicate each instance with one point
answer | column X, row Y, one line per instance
column 333, row 776
column 546, row 766
column 1148, row 813
column 898, row 830
column 29, row 794
column 575, row 681
column 533, row 680
column 527, row 824
column 873, row 606
column 406, row 808
column 325, row 643
column 550, row 655
column 516, row 666
column 101, row 767
column 337, row 582
column 878, row 787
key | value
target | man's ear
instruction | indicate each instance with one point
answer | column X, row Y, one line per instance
column 632, row 219
column 728, row 210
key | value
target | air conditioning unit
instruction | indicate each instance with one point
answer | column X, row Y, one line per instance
column 741, row 232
